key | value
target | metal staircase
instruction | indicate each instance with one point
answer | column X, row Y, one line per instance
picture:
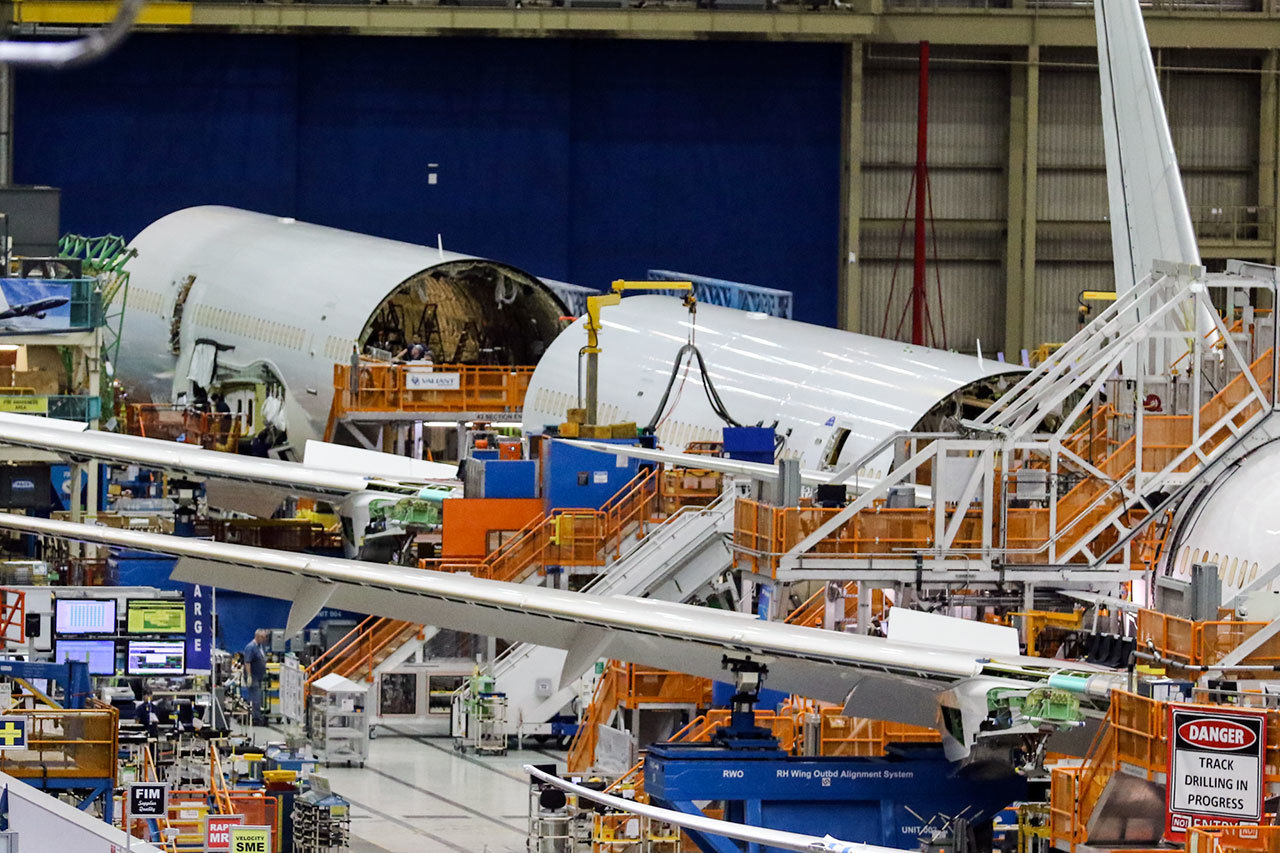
column 671, row 563
column 358, row 654
column 1020, row 493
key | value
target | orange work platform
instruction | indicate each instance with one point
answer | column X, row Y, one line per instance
column 383, row 387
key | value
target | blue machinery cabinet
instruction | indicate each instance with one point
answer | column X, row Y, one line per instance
column 870, row 800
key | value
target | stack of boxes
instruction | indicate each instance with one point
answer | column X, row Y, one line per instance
column 577, row 427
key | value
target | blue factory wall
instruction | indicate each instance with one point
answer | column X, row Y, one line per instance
column 577, row 160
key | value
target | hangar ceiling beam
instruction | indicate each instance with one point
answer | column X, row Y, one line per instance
column 867, row 21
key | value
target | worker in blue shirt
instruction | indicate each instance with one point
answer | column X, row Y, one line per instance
column 255, row 670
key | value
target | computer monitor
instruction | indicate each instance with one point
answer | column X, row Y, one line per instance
column 99, row 654
column 155, row 616
column 81, row 616
column 156, row 657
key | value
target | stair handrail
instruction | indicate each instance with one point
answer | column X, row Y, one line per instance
column 604, row 701
column 662, row 531
column 327, row 660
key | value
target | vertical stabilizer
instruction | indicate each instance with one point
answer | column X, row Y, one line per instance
column 1150, row 219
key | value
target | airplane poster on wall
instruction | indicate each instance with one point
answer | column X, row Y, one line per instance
column 32, row 305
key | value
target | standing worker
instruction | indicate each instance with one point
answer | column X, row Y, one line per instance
column 255, row 670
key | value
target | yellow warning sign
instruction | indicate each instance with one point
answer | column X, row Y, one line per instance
column 250, row 839
column 24, row 404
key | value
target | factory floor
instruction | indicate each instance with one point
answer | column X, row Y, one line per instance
column 416, row 794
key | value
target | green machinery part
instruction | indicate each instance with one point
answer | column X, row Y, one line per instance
column 104, row 259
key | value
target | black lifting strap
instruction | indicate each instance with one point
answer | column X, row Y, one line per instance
column 713, row 397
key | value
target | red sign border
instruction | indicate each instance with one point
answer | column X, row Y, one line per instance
column 222, row 817
column 1171, row 738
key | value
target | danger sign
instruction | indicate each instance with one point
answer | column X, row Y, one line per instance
column 1215, row 768
column 218, row 831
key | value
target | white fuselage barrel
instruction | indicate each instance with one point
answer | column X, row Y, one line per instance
column 287, row 296
column 823, row 387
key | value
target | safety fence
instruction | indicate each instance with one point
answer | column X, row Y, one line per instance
column 763, row 533
column 1233, row 839
column 1132, row 739
column 65, row 744
column 1196, row 644
column 810, row 612
column 210, row 430
column 384, row 387
column 572, row 537
column 801, row 726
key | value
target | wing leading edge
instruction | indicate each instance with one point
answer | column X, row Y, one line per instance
column 75, row 442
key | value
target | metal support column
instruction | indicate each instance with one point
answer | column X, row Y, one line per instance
column 1269, row 147
column 850, row 284
column 93, row 358
column 1031, row 161
column 919, row 295
column 1015, row 333
column 6, row 124
column 833, row 605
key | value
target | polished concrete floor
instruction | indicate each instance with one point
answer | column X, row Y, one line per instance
column 416, row 794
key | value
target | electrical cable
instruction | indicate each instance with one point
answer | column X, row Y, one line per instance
column 708, row 386
column 691, row 340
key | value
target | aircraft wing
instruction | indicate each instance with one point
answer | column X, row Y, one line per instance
column 756, row 470
column 74, row 441
column 812, row 662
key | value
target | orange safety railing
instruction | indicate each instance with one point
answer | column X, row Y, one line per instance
column 359, row 652
column 1172, row 636
column 1132, row 738
column 66, row 744
column 569, row 537
column 762, row 532
column 604, row 701
column 1065, row 828
column 1233, row 839
column 628, row 511
column 809, row 613
column 384, row 387
column 13, row 615
column 857, row 736
column 189, row 810
column 1196, row 644
column 642, row 685
column 210, row 430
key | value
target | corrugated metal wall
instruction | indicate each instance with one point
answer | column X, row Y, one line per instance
column 1073, row 243
column 1212, row 100
column 968, row 145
